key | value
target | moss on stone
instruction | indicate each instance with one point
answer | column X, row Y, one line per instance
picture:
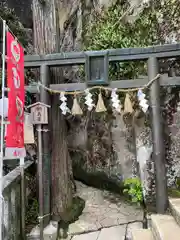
column 178, row 183
column 72, row 213
column 174, row 193
column 76, row 209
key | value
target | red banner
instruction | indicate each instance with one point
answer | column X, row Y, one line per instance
column 16, row 95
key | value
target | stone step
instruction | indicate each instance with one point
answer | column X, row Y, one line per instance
column 174, row 204
column 88, row 236
column 164, row 227
column 142, row 234
column 114, row 233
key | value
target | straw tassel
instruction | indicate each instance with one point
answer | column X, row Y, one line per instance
column 100, row 104
column 128, row 105
column 76, row 109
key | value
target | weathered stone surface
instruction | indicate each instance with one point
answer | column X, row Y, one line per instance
column 108, row 154
column 89, row 236
column 175, row 208
column 137, row 6
column 124, row 147
column 75, row 228
column 173, row 166
column 142, row 234
column 115, row 233
column 132, row 227
column 164, row 227
column 103, row 209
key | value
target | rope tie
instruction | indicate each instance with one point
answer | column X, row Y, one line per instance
column 100, row 87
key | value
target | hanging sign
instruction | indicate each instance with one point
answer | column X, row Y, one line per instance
column 16, row 96
column 39, row 113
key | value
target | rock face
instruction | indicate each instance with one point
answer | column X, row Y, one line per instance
column 124, row 147
column 104, row 154
column 173, row 172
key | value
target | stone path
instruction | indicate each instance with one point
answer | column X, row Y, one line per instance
column 105, row 216
column 103, row 210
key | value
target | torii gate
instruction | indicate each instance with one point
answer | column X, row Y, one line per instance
column 99, row 60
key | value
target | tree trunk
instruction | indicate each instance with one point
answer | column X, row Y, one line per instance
column 47, row 40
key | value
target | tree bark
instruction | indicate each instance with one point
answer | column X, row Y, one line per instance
column 47, row 39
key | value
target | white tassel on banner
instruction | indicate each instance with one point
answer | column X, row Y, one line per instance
column 64, row 108
column 89, row 101
column 115, row 101
column 143, row 103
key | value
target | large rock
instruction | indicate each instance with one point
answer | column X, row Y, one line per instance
column 103, row 154
column 124, row 146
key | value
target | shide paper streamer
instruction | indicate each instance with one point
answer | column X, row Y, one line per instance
column 143, row 103
column 64, row 108
column 115, row 100
column 89, row 101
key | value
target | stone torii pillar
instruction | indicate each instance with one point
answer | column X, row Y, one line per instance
column 46, row 150
column 158, row 141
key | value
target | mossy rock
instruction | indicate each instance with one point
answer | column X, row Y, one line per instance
column 72, row 214
column 98, row 179
column 78, row 205
column 95, row 177
column 178, row 183
column 174, row 193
